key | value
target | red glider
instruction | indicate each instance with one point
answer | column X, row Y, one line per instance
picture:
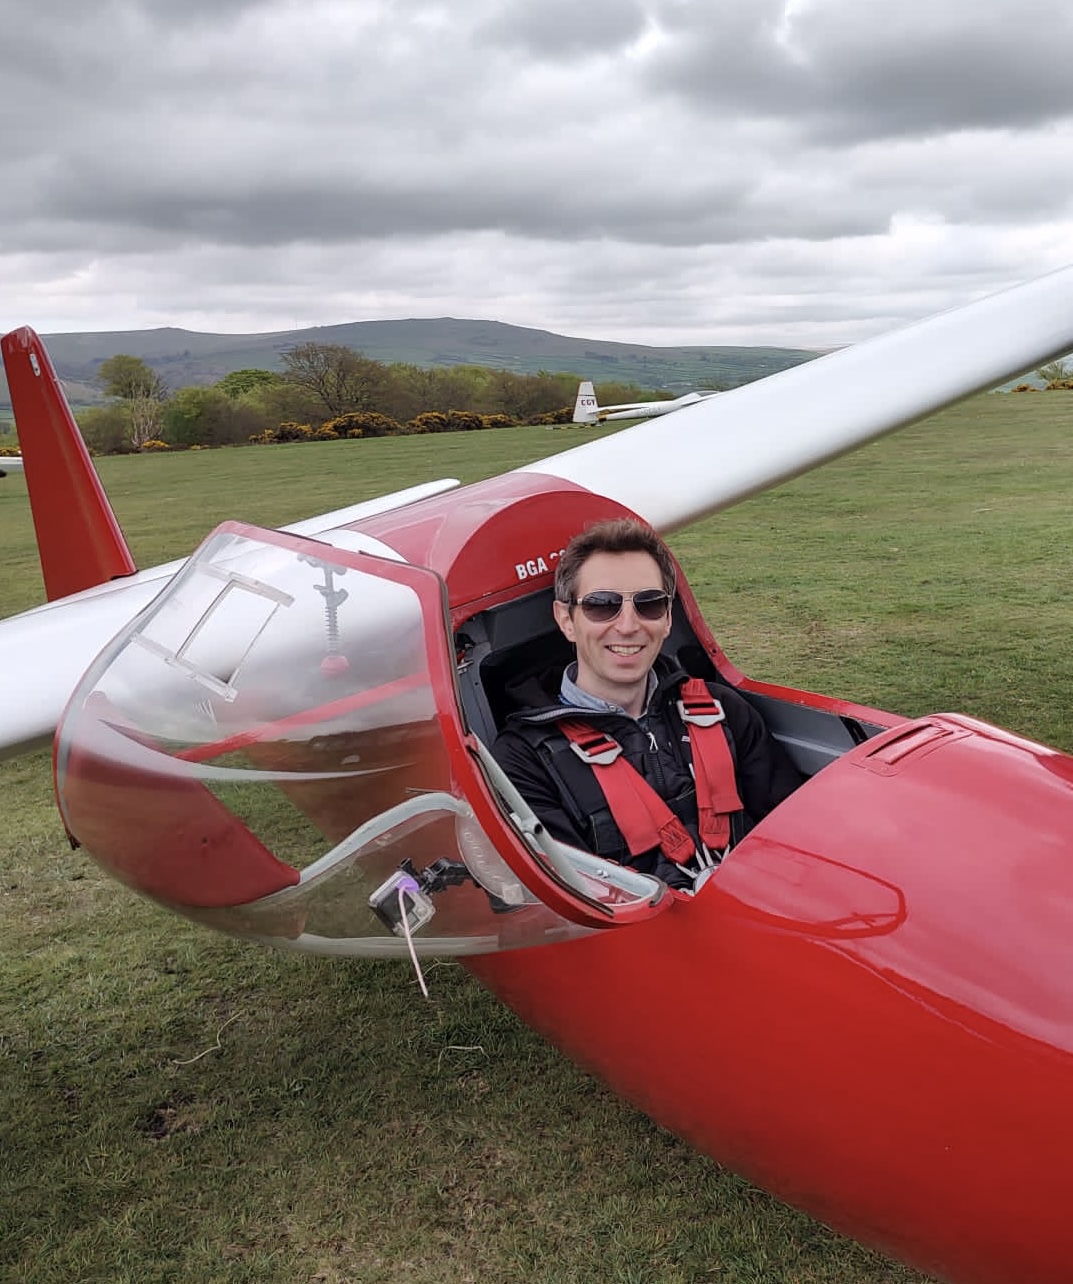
column 867, row 1008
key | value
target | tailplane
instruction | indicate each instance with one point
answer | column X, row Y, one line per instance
column 586, row 408
column 78, row 538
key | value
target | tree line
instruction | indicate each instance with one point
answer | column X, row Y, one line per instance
column 324, row 391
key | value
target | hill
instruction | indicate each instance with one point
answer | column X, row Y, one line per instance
column 183, row 357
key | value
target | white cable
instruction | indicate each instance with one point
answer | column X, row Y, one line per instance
column 408, row 885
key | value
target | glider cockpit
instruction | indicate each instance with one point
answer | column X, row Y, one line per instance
column 275, row 748
column 286, row 745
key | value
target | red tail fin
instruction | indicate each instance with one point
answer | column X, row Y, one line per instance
column 78, row 538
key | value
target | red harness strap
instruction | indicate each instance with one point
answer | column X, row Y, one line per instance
column 644, row 819
column 642, row 816
column 713, row 766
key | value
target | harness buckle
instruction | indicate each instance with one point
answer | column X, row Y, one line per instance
column 711, row 716
column 597, row 752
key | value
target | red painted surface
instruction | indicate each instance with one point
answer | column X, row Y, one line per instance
column 78, row 537
column 869, row 1008
column 493, row 540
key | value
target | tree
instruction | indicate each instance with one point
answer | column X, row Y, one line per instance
column 106, row 429
column 1056, row 374
column 239, row 382
column 525, row 397
column 270, row 404
column 141, row 388
column 340, row 378
column 205, row 417
column 129, row 378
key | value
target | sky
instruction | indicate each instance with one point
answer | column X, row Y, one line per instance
column 804, row 173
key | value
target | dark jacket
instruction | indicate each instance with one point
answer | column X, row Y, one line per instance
column 564, row 793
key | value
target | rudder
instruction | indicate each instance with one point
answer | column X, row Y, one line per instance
column 586, row 407
column 79, row 540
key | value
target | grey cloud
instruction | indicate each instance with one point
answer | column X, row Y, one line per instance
column 136, row 202
column 654, row 166
column 841, row 72
column 565, row 29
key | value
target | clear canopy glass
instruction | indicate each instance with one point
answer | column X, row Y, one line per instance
column 274, row 747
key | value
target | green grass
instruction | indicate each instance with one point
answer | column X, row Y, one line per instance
column 180, row 1107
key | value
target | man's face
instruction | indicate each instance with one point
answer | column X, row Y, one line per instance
column 613, row 659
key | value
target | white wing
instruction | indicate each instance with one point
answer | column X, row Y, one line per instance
column 708, row 456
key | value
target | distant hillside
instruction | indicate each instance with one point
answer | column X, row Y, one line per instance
column 184, row 357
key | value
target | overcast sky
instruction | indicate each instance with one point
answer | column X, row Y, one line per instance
column 802, row 173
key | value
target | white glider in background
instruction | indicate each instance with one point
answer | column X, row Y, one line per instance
column 587, row 409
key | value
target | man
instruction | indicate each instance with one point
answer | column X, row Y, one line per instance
column 606, row 755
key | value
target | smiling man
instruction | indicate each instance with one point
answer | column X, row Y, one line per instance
column 624, row 754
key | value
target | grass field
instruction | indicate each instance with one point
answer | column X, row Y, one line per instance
column 180, row 1107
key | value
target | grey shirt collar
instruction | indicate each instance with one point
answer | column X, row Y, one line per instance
column 571, row 694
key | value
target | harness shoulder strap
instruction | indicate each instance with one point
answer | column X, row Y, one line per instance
column 713, row 764
column 641, row 815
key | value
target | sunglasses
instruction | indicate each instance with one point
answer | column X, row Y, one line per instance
column 605, row 604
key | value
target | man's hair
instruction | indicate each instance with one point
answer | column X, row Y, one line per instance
column 616, row 535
